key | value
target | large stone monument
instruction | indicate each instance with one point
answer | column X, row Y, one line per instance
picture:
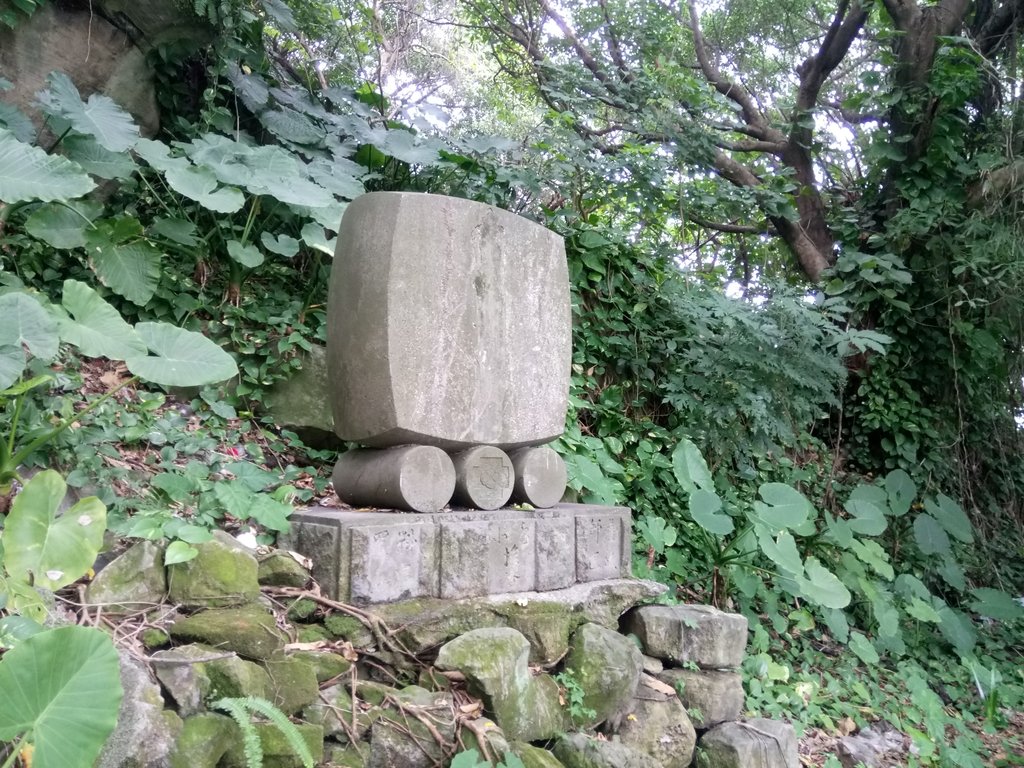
column 449, row 350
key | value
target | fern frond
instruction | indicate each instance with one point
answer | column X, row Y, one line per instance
column 250, row 738
column 283, row 724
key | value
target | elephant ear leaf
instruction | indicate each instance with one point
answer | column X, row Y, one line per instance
column 62, row 687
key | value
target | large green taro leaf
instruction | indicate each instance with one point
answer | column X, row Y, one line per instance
column 63, row 688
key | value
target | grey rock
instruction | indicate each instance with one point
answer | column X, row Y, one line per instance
column 417, row 478
column 483, row 477
column 183, row 675
column 408, row 744
column 448, row 324
column 653, row 666
column 223, row 573
column 250, row 631
column 657, row 725
column 293, row 683
column 131, row 581
column 280, row 569
column 540, row 476
column 204, row 739
column 494, row 661
column 302, row 403
column 753, row 743
column 535, row 757
column 607, row 666
column 577, row 750
column 333, row 712
column 145, row 734
column 699, row 634
column 717, row 695
column 870, row 746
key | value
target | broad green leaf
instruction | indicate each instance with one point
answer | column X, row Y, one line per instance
column 64, row 687
column 861, row 646
column 200, row 185
column 17, row 122
column 953, row 574
column 901, row 492
column 28, row 173
column 690, row 469
column 870, row 493
column 781, row 550
column 823, row 587
column 958, row 629
column 951, row 517
column 784, row 507
column 403, row 146
column 251, row 89
column 922, row 611
column 872, row 555
column 176, row 230
column 866, row 518
column 129, row 269
column 14, row 629
column 47, row 550
column 283, row 245
column 839, row 530
column 909, row 586
column 99, row 117
column 158, row 155
column 271, row 514
column 97, row 329
column 58, row 225
column 335, row 179
column 292, row 126
column 96, row 159
column 996, row 604
column 24, row 321
column 705, row 509
column 235, row 498
column 837, row 624
column 248, row 256
column 657, row 533
column 12, row 363
column 589, row 474
column 930, row 537
column 313, row 236
column 179, row 552
column 180, row 358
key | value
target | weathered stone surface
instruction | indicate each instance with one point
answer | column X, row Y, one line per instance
column 607, row 666
column 657, row 725
column 348, row 628
column 484, row 735
column 204, row 739
column 333, row 711
column 448, row 324
column 250, row 631
column 460, row 554
column 700, row 634
column 131, row 581
column 98, row 56
column 183, row 676
column 293, row 683
column 577, row 750
column 871, row 747
column 145, row 733
column 302, row 402
column 483, row 477
column 223, row 573
column 408, row 744
column 751, row 744
column 535, row 757
column 653, row 666
column 540, row 476
column 326, row 664
column 277, row 752
column 348, row 756
column 494, row 662
column 714, row 693
column 279, row 569
column 417, row 478
column 547, row 619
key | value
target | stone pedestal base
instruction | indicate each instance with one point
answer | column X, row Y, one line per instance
column 381, row 557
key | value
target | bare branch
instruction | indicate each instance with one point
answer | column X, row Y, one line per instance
column 730, row 227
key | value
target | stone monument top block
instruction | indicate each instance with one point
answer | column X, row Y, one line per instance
column 448, row 324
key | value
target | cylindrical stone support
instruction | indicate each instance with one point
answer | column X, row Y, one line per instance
column 418, row 478
column 483, row 477
column 540, row 476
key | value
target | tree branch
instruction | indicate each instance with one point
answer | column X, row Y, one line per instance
column 729, row 227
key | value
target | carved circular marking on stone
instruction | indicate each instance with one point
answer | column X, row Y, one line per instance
column 540, row 476
column 418, row 478
column 483, row 477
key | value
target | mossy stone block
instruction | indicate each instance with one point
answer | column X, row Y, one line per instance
column 279, row 569
column 236, row 678
column 607, row 666
column 293, row 683
column 277, row 752
column 535, row 757
column 203, row 740
column 224, row 573
column 250, row 631
column 312, row 633
column 348, row 756
column 326, row 664
column 302, row 609
column 348, row 628
column 131, row 581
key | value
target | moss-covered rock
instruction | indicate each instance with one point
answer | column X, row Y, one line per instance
column 347, row 756
column 154, row 637
column 756, row 743
column 495, row 663
column 407, row 743
column 204, row 739
column 607, row 666
column 250, row 631
column 346, row 627
column 712, row 696
column 183, row 675
column 293, row 683
column 373, row 692
column 302, row 609
column 224, row 573
column 333, row 711
column 312, row 633
column 535, row 757
column 326, row 664
column 277, row 752
column 577, row 750
column 233, row 677
column 657, row 724
column 131, row 581
column 484, row 735
column 280, row 569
